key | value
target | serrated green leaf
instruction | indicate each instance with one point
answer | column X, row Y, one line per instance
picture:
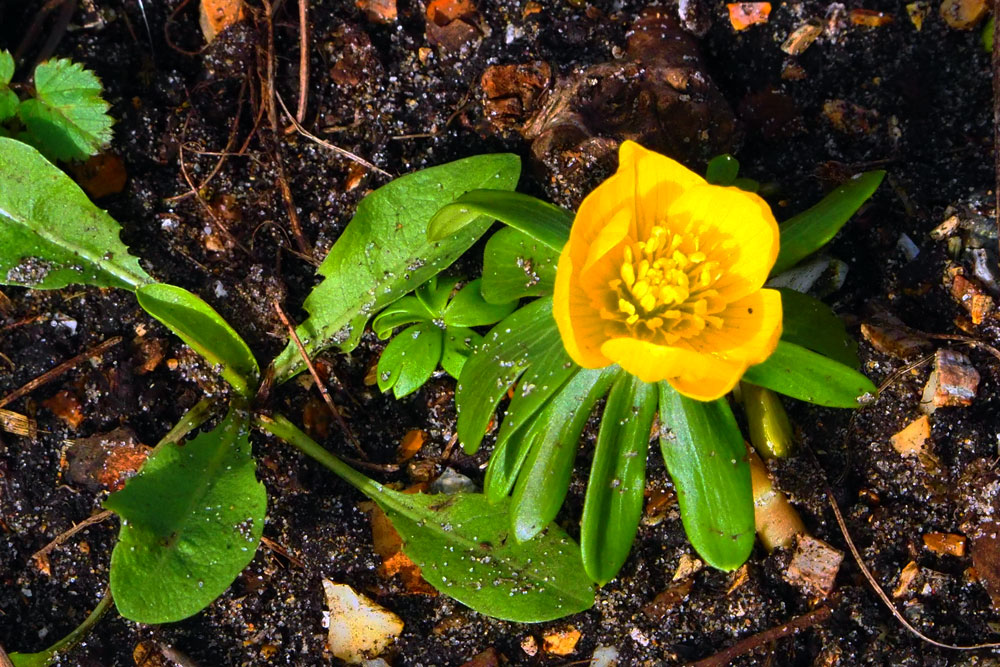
column 459, row 344
column 809, row 322
column 722, row 169
column 613, row 503
column 544, row 479
column 384, row 252
column 808, row 376
column 469, row 309
column 409, row 359
column 810, row 230
column 506, row 351
column 516, row 265
column 191, row 521
column 205, row 332
column 408, row 310
column 51, row 235
column 706, row 458
column 67, row 119
column 538, row 219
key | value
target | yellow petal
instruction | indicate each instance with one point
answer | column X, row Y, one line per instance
column 609, row 199
column 750, row 329
column 580, row 327
column 700, row 376
column 657, row 182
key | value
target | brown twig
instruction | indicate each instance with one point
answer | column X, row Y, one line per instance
column 65, row 535
column 319, row 382
column 300, row 112
column 166, row 32
column 278, row 549
column 726, row 656
column 50, row 375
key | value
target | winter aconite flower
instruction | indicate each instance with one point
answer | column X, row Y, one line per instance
column 663, row 275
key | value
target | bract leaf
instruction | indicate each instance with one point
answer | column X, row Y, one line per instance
column 803, row 374
column 613, row 504
column 409, row 359
column 205, row 332
column 51, row 235
column 516, row 265
column 706, row 458
column 384, row 252
column 459, row 343
column 544, row 479
column 191, row 521
column 809, row 322
column 506, row 351
column 722, row 170
column 407, row 310
column 66, row 119
column 810, row 230
column 538, row 219
column 469, row 309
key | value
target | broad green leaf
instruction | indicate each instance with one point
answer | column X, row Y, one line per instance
column 409, row 359
column 613, row 504
column 205, row 332
column 803, row 374
column 462, row 545
column 67, row 118
column 516, row 265
column 468, row 309
column 538, row 219
column 544, row 479
column 809, row 322
column 51, row 235
column 706, row 458
column 722, row 169
column 810, row 230
column 191, row 521
column 408, row 310
column 384, row 252
column 459, row 343
column 8, row 99
column 506, row 351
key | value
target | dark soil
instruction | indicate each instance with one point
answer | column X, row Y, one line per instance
column 915, row 103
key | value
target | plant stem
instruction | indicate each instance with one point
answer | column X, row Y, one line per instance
column 67, row 642
column 191, row 420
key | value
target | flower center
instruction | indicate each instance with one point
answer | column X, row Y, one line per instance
column 664, row 289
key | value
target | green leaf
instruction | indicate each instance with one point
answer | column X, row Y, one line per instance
column 204, row 331
column 8, row 99
column 538, row 219
column 747, row 184
column 809, row 322
column 191, row 521
column 462, row 545
column 459, row 343
column 613, row 504
column 384, row 252
column 51, row 235
column 706, row 458
column 722, row 170
column 468, row 309
column 67, row 119
column 409, row 359
column 408, row 310
column 516, row 265
column 435, row 296
column 810, row 230
column 803, row 374
column 543, row 481
column 507, row 350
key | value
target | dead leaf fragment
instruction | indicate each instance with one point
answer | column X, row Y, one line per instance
column 561, row 642
column 359, row 628
column 217, row 15
column 674, row 594
column 869, row 18
column 378, row 11
column 104, row 461
column 742, row 15
column 800, row 38
column 102, row 175
column 389, row 546
column 947, row 544
column 410, row 444
column 963, row 14
column 914, row 439
column 67, row 407
column 918, row 11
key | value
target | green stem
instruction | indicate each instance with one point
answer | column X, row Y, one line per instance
column 69, row 641
column 191, row 420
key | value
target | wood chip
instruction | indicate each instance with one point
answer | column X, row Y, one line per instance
column 946, row 544
column 561, row 642
column 869, row 18
column 963, row 14
column 801, row 38
column 907, row 576
column 410, row 444
column 668, row 599
column 217, row 15
column 66, row 406
column 378, row 11
column 359, row 628
column 814, row 565
column 953, row 383
column 742, row 15
column 972, row 297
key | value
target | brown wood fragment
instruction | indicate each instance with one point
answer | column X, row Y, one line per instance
column 945, row 543
column 668, row 599
column 814, row 565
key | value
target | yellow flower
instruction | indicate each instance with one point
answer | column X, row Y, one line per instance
column 662, row 275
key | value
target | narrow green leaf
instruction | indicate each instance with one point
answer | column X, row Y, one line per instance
column 507, row 350
column 544, row 479
column 613, row 504
column 459, row 343
column 722, row 169
column 706, row 458
column 810, row 230
column 462, row 545
column 809, row 322
column 384, row 252
column 408, row 310
column 67, row 119
column 516, row 265
column 469, row 309
column 409, row 359
column 191, row 521
column 51, row 235
column 205, row 332
column 6, row 67
column 803, row 374
column 538, row 219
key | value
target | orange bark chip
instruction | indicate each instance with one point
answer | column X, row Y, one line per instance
column 411, row 444
column 742, row 15
column 217, row 15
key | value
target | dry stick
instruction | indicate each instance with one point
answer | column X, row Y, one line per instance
column 724, row 657
column 62, row 537
column 300, row 112
column 48, row 376
column 316, row 378
column 277, row 548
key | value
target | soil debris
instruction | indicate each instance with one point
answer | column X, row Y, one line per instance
column 948, row 544
column 359, row 629
column 953, row 382
column 742, row 15
column 814, row 565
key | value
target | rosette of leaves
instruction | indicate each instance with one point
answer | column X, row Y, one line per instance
column 553, row 398
column 438, row 323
